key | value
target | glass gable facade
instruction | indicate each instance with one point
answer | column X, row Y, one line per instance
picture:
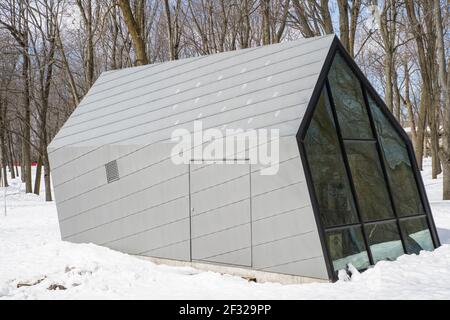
column 367, row 195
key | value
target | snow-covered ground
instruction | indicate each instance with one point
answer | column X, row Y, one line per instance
column 33, row 261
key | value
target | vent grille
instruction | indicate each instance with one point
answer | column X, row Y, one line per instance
column 112, row 171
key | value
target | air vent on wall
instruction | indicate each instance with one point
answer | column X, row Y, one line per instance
column 112, row 171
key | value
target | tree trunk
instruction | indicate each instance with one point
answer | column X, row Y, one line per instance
column 14, row 158
column 27, row 153
column 444, row 81
column 356, row 7
column 37, row 179
column 86, row 14
column 115, row 36
column 446, row 173
column 409, row 107
column 388, row 60
column 421, row 127
column 425, row 42
column 90, row 49
column 388, row 31
column 47, row 180
column 277, row 35
column 173, row 50
column 4, row 158
column 344, row 31
column 397, row 99
column 246, row 27
column 11, row 158
column 70, row 77
column 26, row 146
column 137, row 35
column 265, row 14
column 22, row 161
column 326, row 16
column 5, row 173
column 434, row 142
column 3, row 148
column 434, row 131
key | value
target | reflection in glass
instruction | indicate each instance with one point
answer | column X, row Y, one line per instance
column 347, row 246
column 384, row 241
column 417, row 235
column 371, row 191
column 398, row 166
column 327, row 168
column 348, row 99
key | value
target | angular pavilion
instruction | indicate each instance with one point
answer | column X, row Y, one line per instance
column 347, row 188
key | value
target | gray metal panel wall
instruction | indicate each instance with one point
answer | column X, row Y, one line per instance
column 145, row 212
column 285, row 235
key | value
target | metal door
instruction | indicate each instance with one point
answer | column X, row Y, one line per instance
column 220, row 213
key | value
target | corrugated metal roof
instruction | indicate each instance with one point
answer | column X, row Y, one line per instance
column 263, row 87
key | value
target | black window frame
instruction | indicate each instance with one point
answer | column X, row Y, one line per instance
column 367, row 89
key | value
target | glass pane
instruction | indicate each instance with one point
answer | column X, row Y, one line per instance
column 384, row 241
column 347, row 246
column 348, row 99
column 417, row 235
column 371, row 191
column 398, row 166
column 327, row 168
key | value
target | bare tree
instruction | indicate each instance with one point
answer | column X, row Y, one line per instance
column 425, row 43
column 444, row 81
column 8, row 68
column 43, row 45
column 313, row 18
column 15, row 20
